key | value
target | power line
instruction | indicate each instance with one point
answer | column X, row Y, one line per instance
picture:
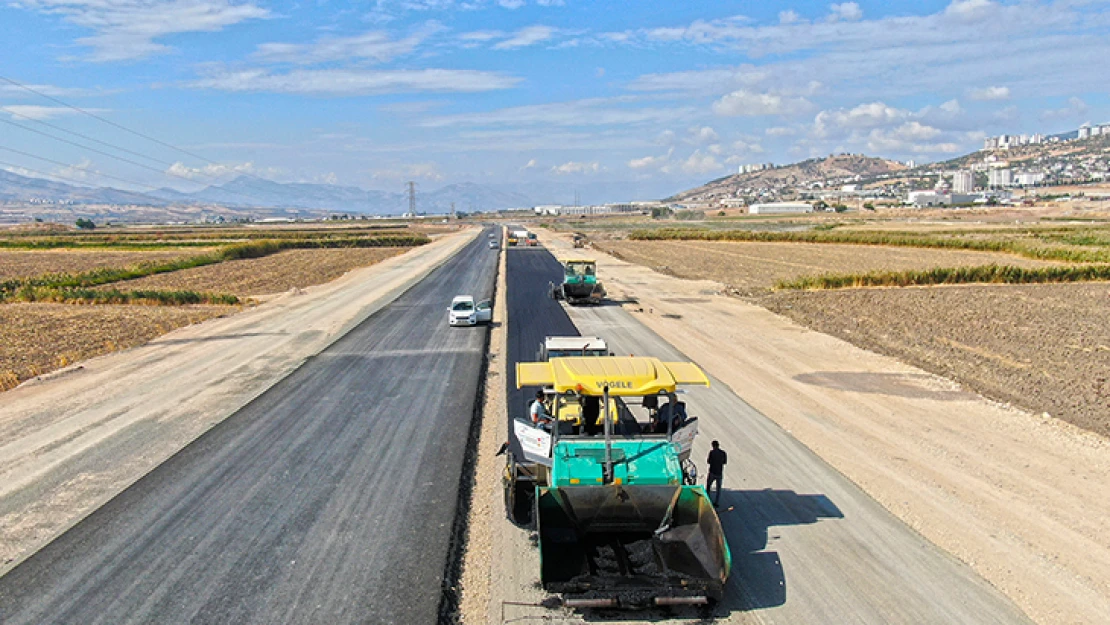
column 128, row 130
column 85, row 137
column 62, row 164
column 94, row 150
column 106, row 121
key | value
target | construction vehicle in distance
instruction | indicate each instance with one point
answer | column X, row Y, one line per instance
column 620, row 520
column 580, row 284
column 579, row 240
column 531, row 240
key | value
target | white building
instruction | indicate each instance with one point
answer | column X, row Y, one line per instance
column 1028, row 178
column 1000, row 177
column 963, row 182
column 748, row 169
column 777, row 208
column 1084, row 131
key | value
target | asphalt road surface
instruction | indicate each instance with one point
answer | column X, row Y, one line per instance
column 533, row 315
column 329, row 499
column 808, row 545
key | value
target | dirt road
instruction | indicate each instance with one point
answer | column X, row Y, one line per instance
column 70, row 442
column 1020, row 498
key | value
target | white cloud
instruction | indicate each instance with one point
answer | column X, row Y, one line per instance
column 667, row 137
column 649, row 162
column 704, row 134
column 700, row 163
column 871, row 115
column 424, row 171
column 951, row 107
column 531, row 164
column 747, row 147
column 551, row 3
column 789, row 17
column 77, row 171
column 971, row 10
column 511, row 4
column 572, row 167
column 1075, row 109
column 374, row 46
column 525, row 37
column 780, row 131
column 355, row 81
column 32, row 111
column 128, row 29
column 747, row 103
column 848, row 11
column 589, row 112
column 482, row 35
column 990, row 93
column 216, row 170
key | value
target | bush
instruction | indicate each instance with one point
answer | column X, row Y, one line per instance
column 85, row 224
column 992, row 274
column 687, row 215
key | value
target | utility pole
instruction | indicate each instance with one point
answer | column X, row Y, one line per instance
column 452, row 211
column 412, row 198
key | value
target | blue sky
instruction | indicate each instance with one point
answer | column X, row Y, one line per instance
column 654, row 96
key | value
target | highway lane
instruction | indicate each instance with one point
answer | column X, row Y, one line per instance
column 808, row 545
column 532, row 315
column 331, row 498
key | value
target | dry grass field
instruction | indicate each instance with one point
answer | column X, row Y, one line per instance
column 39, row 338
column 39, row 333
column 751, row 268
column 276, row 273
column 31, row 263
column 1045, row 347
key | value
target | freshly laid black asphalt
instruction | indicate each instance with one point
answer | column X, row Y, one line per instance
column 533, row 315
column 329, row 499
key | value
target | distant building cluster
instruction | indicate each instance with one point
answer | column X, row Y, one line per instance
column 1086, row 131
column 1005, row 142
column 598, row 209
column 752, row 168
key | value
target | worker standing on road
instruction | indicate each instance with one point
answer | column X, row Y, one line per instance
column 717, row 461
column 540, row 418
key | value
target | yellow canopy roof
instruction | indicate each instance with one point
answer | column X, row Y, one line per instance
column 577, row 260
column 624, row 375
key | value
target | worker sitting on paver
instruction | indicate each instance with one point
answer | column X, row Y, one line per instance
column 540, row 418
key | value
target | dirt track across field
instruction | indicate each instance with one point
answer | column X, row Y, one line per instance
column 1020, row 497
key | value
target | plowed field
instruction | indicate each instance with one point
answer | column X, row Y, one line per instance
column 28, row 264
column 752, row 268
column 38, row 338
column 1043, row 347
column 270, row 274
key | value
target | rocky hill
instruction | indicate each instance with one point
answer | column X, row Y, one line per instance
column 782, row 180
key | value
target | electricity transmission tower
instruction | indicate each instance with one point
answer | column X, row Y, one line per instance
column 412, row 198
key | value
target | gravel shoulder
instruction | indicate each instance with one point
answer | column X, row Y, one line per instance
column 1020, row 497
column 72, row 440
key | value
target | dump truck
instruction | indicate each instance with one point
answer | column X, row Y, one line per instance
column 580, row 284
column 532, row 240
column 609, row 488
column 579, row 240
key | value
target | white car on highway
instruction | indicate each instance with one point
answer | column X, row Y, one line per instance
column 464, row 311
